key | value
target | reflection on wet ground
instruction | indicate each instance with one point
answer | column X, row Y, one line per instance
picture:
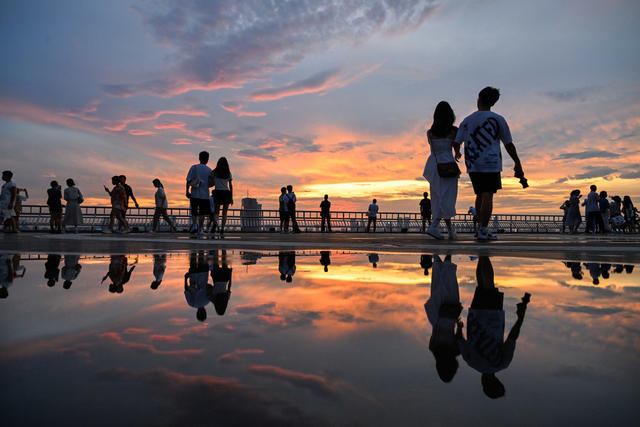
column 317, row 337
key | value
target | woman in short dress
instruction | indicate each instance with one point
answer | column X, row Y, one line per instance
column 73, row 213
column 222, row 193
column 574, row 217
column 444, row 191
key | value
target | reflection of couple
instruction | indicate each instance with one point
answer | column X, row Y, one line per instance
column 119, row 273
column 198, row 292
column 287, row 265
column 485, row 348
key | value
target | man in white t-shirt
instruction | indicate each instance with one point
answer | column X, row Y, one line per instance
column 485, row 348
column 198, row 183
column 481, row 133
column 372, row 213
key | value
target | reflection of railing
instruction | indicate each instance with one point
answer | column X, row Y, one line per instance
column 36, row 217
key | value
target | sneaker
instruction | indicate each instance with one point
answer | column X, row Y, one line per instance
column 200, row 233
column 435, row 233
column 193, row 229
column 484, row 234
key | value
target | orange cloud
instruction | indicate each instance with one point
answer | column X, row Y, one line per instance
column 153, row 115
column 141, row 132
column 237, row 108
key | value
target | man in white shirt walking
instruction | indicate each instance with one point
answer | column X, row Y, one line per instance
column 198, row 183
column 481, row 133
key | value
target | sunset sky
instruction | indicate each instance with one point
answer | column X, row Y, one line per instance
column 331, row 97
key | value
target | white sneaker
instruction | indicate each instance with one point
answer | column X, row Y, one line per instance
column 435, row 233
column 485, row 234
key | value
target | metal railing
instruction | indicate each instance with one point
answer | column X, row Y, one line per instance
column 96, row 218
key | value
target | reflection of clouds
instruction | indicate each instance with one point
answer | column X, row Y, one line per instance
column 205, row 399
column 147, row 348
column 234, row 356
column 589, row 309
column 316, row 383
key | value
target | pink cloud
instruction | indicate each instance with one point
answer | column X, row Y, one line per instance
column 153, row 115
column 132, row 331
column 170, row 125
column 147, row 348
column 141, row 132
column 182, row 141
column 166, row 338
column 237, row 108
column 178, row 321
column 234, row 356
column 315, row 383
column 273, row 320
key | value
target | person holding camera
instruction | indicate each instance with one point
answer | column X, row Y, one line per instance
column 481, row 133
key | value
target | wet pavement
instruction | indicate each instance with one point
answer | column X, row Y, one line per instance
column 213, row 336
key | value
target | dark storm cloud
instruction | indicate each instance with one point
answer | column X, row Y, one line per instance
column 591, row 154
column 226, row 44
column 630, row 175
column 591, row 310
column 594, row 172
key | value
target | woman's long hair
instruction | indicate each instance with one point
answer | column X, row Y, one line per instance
column 443, row 118
column 222, row 169
column 157, row 181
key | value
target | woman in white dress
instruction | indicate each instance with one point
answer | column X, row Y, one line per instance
column 444, row 191
column 72, row 213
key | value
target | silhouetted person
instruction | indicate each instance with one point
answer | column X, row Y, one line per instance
column 72, row 211
column 283, row 210
column 485, row 349
column 426, row 263
column 565, row 212
column 481, row 133
column 605, row 210
column 372, row 214
column 197, row 191
column 443, row 309
column 70, row 270
column 128, row 193
column 425, row 210
column 8, row 197
column 618, row 268
column 291, row 208
column 196, row 288
column 287, row 265
column 52, row 269
column 222, row 193
column 6, row 275
column 325, row 214
column 161, row 207
column 576, row 269
column 630, row 214
column 374, row 259
column 54, row 201
column 592, row 210
column 118, row 200
column 221, row 275
column 574, row 217
column 118, row 273
column 325, row 260
column 628, row 268
column 604, row 270
column 159, row 267
column 594, row 271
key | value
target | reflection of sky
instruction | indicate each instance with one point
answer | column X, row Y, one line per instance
column 323, row 348
column 327, row 96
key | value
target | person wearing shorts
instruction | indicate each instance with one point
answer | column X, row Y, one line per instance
column 197, row 191
column 221, row 275
column 222, row 193
column 481, row 133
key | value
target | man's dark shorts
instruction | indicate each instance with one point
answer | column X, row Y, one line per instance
column 487, row 299
column 485, row 182
column 200, row 207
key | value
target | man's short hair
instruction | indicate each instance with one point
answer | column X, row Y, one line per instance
column 489, row 96
column 425, row 194
column 375, row 201
column 54, row 184
column 289, row 187
column 122, row 177
column 115, row 179
column 7, row 173
column 593, row 188
column 203, row 156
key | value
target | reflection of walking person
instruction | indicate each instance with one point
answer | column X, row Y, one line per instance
column 196, row 288
column 372, row 214
column 287, row 265
column 374, row 259
column 485, row 349
column 159, row 267
column 426, row 263
column 443, row 308
column 52, row 269
column 71, row 270
column 221, row 275
column 325, row 260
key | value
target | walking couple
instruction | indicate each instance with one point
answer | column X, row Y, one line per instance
column 481, row 133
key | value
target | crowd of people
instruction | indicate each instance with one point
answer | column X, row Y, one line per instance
column 601, row 215
column 210, row 192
